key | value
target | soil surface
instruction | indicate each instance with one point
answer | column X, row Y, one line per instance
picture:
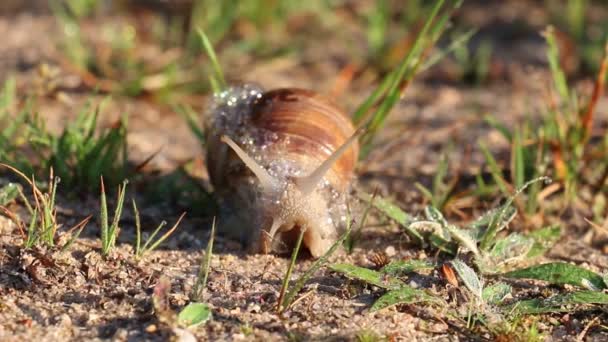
column 49, row 295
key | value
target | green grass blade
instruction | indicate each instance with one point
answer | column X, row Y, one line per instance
column 455, row 44
column 518, row 163
column 152, row 236
column 203, row 271
column 165, row 236
column 217, row 78
column 495, row 170
column 192, row 120
column 559, row 78
column 294, row 256
column 391, row 86
column 32, row 234
column 104, row 221
column 113, row 231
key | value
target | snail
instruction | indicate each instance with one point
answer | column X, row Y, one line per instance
column 281, row 161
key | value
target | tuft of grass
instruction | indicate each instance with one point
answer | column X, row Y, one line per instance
column 562, row 146
column 14, row 132
column 109, row 232
column 203, row 271
column 584, row 33
column 80, row 156
column 43, row 226
column 150, row 243
column 388, row 92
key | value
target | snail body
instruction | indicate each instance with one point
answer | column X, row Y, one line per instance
column 280, row 161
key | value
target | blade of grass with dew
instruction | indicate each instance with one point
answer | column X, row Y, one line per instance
column 218, row 83
column 203, row 271
column 299, row 284
column 560, row 273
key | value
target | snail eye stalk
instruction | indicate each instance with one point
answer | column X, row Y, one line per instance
column 268, row 183
column 308, row 184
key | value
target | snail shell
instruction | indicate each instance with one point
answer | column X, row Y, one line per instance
column 280, row 161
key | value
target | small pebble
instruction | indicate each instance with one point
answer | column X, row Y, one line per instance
column 390, row 251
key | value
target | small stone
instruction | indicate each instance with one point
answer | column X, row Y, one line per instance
column 390, row 251
column 151, row 329
column 183, row 335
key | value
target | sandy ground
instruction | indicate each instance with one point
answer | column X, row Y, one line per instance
column 77, row 295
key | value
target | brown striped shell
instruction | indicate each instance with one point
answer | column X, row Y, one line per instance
column 304, row 150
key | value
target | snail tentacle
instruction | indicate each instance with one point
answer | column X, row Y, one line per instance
column 307, row 184
column 268, row 183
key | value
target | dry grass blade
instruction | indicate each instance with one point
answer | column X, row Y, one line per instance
column 79, row 227
column 598, row 90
